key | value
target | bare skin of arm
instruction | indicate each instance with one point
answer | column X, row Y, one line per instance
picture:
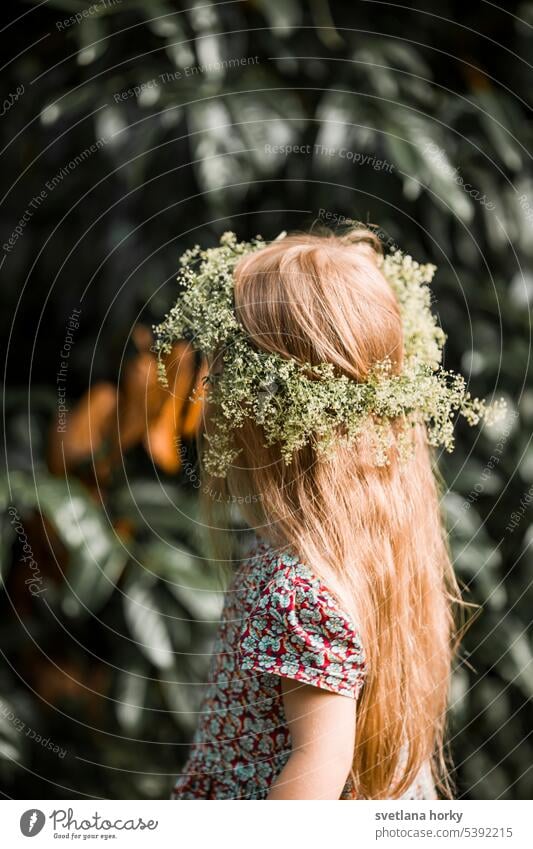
column 322, row 729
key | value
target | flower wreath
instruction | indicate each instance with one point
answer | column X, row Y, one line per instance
column 296, row 403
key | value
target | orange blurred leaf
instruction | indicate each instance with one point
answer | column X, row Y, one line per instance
column 163, row 435
column 140, row 399
column 86, row 428
column 142, row 337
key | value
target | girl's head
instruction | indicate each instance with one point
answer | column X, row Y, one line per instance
column 373, row 533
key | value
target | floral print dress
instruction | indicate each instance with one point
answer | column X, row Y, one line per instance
column 279, row 620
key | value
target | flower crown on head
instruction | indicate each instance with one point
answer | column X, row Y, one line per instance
column 297, row 403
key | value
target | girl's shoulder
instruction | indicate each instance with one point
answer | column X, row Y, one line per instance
column 286, row 583
column 296, row 627
column 276, row 568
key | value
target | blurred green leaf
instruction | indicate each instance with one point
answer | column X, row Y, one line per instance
column 96, row 557
column 132, row 686
column 147, row 625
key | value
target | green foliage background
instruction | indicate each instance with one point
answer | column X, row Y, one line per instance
column 107, row 666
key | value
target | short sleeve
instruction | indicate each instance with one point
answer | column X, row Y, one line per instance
column 296, row 630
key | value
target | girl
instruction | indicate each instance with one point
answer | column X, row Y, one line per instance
column 331, row 668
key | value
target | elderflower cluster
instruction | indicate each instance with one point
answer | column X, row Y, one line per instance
column 296, row 403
